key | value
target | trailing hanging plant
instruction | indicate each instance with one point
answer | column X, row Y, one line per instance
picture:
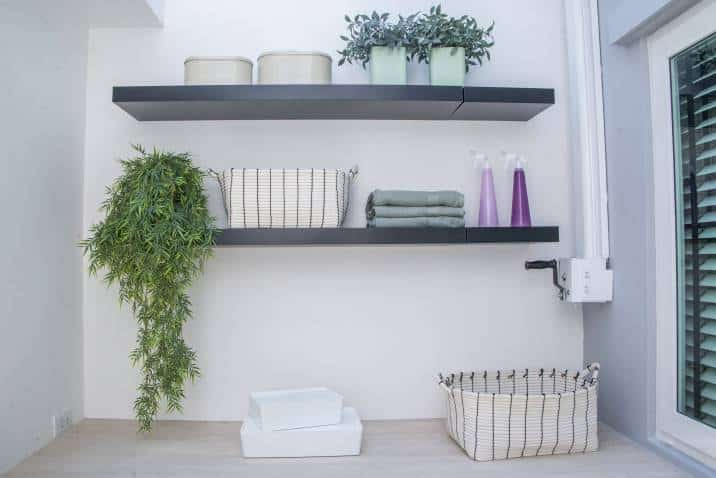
column 437, row 29
column 366, row 32
column 154, row 240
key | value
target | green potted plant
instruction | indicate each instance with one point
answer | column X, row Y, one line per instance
column 155, row 237
column 373, row 39
column 450, row 45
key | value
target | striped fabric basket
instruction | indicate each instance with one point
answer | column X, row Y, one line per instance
column 285, row 198
column 516, row 413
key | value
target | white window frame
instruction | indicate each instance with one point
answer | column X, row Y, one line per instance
column 673, row 428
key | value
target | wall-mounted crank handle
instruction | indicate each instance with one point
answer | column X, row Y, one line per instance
column 552, row 264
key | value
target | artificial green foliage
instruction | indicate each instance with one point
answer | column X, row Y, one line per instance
column 437, row 29
column 367, row 31
column 154, row 240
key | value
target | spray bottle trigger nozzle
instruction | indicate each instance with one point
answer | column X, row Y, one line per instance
column 479, row 160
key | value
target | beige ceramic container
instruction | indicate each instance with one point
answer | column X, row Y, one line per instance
column 294, row 67
column 218, row 70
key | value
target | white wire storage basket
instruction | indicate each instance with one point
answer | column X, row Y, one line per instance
column 285, row 198
column 495, row 415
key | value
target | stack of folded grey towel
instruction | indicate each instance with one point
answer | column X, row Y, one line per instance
column 415, row 209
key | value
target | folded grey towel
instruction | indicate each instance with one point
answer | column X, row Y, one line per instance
column 415, row 198
column 415, row 211
column 416, row 222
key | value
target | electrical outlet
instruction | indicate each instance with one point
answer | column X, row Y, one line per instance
column 61, row 422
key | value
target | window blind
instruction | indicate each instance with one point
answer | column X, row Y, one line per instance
column 694, row 118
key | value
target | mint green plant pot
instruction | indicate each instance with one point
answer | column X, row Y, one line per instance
column 446, row 67
column 388, row 66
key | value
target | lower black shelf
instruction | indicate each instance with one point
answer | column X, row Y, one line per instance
column 347, row 236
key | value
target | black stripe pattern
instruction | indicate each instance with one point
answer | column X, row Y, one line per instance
column 319, row 198
column 540, row 426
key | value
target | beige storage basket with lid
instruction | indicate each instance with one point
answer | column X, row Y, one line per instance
column 218, row 70
column 294, row 67
column 495, row 415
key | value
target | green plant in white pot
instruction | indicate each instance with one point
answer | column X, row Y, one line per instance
column 373, row 39
column 450, row 45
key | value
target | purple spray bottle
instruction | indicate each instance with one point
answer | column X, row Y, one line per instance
column 488, row 204
column 520, row 202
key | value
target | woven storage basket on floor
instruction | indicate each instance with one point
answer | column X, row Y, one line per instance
column 285, row 198
column 516, row 413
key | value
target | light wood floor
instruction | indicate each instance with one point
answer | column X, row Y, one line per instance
column 415, row 448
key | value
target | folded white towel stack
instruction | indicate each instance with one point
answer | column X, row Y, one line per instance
column 341, row 439
column 303, row 422
column 287, row 409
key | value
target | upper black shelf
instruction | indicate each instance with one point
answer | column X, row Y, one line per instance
column 348, row 236
column 376, row 102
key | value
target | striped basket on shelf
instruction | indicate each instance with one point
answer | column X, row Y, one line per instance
column 516, row 413
column 285, row 198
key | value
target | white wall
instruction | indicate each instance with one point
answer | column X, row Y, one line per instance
column 629, row 21
column 42, row 98
column 375, row 323
column 124, row 14
column 622, row 333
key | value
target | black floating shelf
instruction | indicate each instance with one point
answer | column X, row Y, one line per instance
column 333, row 102
column 470, row 235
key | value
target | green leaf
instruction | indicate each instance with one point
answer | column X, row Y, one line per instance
column 376, row 30
column 154, row 239
column 438, row 29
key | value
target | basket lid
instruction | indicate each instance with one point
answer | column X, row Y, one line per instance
column 217, row 58
column 294, row 53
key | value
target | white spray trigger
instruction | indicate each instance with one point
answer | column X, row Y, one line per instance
column 521, row 162
column 479, row 159
column 510, row 160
